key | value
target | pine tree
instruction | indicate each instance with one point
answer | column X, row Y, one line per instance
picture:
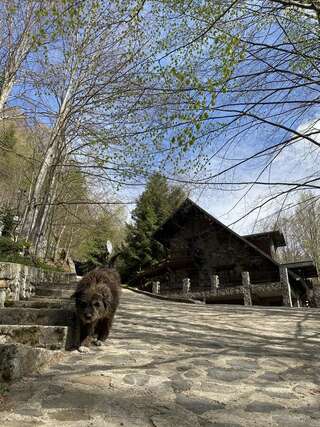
column 153, row 207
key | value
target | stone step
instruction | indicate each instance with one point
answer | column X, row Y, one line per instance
column 37, row 316
column 43, row 302
column 17, row 360
column 57, row 285
column 63, row 299
column 53, row 292
column 48, row 337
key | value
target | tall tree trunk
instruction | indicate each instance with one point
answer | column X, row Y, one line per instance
column 40, row 229
column 4, row 95
column 72, row 231
column 45, row 182
column 57, row 243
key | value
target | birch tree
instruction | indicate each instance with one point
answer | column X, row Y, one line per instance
column 27, row 25
column 79, row 87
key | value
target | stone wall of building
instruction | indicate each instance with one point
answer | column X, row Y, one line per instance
column 212, row 249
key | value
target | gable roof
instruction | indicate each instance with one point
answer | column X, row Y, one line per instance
column 275, row 236
column 172, row 225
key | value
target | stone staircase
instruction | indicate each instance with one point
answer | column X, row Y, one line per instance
column 35, row 333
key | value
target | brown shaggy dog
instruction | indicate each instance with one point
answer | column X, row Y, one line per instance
column 97, row 298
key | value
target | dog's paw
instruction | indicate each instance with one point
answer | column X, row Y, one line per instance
column 83, row 349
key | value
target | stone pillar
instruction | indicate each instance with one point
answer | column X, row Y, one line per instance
column 186, row 285
column 246, row 288
column 156, row 287
column 214, row 282
column 286, row 288
column 23, row 283
column 3, row 292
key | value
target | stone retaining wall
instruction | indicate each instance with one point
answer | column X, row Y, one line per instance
column 18, row 281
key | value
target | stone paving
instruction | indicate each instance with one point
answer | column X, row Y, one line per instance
column 181, row 365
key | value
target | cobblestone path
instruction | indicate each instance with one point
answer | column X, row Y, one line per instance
column 180, row 365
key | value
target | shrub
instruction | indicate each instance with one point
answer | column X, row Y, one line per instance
column 10, row 248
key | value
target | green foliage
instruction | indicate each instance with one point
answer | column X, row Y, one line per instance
column 9, row 248
column 7, row 222
column 98, row 228
column 153, row 207
column 11, row 251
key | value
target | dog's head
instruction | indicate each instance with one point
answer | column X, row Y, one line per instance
column 93, row 303
column 97, row 295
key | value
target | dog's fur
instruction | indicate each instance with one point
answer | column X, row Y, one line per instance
column 97, row 298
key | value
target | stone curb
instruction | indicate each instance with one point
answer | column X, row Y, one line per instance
column 161, row 297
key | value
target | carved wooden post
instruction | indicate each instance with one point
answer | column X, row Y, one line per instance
column 214, row 283
column 286, row 288
column 156, row 287
column 186, row 285
column 246, row 287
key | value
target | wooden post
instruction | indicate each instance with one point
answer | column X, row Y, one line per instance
column 286, row 288
column 246, row 287
column 214, row 279
column 186, row 285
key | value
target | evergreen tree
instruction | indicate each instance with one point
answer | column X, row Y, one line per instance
column 154, row 206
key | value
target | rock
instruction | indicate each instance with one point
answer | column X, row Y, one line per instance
column 290, row 420
column 136, row 379
column 265, row 407
column 245, row 364
column 207, row 423
column 174, row 420
column 198, row 405
column 17, row 360
column 29, row 411
column 69, row 415
column 269, row 377
column 192, row 373
column 179, row 384
column 231, row 375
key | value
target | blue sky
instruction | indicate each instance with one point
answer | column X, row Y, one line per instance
column 230, row 202
column 295, row 163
